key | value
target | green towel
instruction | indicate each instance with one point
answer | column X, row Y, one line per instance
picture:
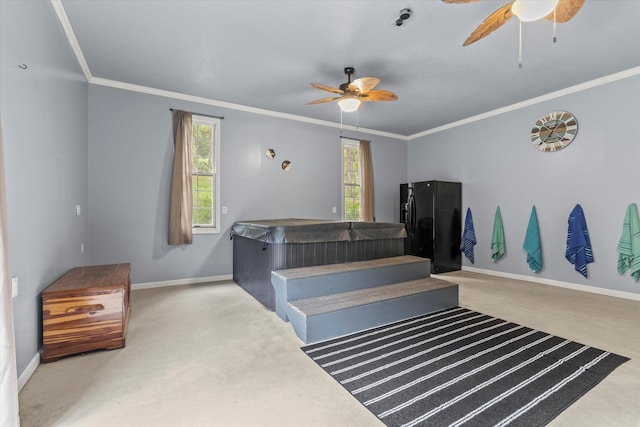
column 629, row 245
column 497, row 241
column 532, row 243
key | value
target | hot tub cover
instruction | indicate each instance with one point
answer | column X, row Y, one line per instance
column 295, row 230
column 377, row 230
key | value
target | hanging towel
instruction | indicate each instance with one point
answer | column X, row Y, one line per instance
column 532, row 243
column 497, row 241
column 629, row 245
column 468, row 236
column 579, row 252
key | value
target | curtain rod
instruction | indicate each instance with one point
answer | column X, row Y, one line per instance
column 353, row 139
column 198, row 114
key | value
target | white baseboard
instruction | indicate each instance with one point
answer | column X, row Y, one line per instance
column 558, row 283
column 28, row 371
column 178, row 282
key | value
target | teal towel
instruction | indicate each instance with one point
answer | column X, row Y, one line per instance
column 532, row 243
column 497, row 241
column 629, row 245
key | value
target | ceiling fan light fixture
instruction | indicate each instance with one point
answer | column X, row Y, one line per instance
column 349, row 105
column 532, row 10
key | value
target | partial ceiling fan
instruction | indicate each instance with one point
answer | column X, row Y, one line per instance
column 526, row 10
column 353, row 93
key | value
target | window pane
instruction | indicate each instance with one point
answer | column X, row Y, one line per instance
column 203, row 200
column 205, row 134
column 203, row 216
column 351, row 180
column 205, row 183
column 201, row 152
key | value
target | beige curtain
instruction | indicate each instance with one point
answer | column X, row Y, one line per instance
column 8, row 371
column 180, row 220
column 366, row 186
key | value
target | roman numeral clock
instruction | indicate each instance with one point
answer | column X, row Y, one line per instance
column 554, row 131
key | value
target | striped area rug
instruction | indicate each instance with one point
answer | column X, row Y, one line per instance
column 460, row 367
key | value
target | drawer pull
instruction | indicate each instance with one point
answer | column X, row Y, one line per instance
column 91, row 309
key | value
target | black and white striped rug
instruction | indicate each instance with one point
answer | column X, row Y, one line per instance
column 461, row 367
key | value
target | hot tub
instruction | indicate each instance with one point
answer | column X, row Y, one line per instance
column 262, row 246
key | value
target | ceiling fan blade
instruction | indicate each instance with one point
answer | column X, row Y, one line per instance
column 496, row 20
column 320, row 101
column 379, row 95
column 565, row 10
column 363, row 84
column 459, row 1
column 327, row 88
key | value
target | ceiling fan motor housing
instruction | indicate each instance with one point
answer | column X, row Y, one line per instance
column 345, row 86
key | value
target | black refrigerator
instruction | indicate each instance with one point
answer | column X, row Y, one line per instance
column 432, row 214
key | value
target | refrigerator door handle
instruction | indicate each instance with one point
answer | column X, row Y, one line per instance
column 411, row 214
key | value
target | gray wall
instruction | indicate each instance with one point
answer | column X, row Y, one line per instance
column 130, row 154
column 498, row 166
column 44, row 120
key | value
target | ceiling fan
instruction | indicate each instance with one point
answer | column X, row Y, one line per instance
column 353, row 93
column 526, row 10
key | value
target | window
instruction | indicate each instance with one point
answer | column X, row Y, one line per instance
column 205, row 155
column 351, row 194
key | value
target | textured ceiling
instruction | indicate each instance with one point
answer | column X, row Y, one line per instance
column 264, row 54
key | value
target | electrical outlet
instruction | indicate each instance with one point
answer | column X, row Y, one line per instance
column 82, row 248
column 14, row 287
column 78, row 210
column 225, row 210
column 334, row 209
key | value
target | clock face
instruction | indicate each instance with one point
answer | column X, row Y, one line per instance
column 554, row 131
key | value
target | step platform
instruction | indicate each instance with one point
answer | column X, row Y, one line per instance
column 328, row 301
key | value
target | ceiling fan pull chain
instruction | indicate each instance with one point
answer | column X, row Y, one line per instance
column 554, row 21
column 520, row 46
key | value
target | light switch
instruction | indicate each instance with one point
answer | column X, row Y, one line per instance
column 78, row 210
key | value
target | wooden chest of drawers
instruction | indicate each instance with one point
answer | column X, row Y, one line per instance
column 86, row 309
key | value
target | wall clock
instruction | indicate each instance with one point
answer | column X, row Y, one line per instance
column 554, row 131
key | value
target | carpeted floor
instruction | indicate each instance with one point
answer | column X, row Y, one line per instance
column 211, row 355
column 458, row 367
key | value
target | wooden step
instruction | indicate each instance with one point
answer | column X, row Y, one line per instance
column 316, row 281
column 320, row 318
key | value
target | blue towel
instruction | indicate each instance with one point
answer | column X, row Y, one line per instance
column 629, row 244
column 532, row 243
column 468, row 236
column 497, row 240
column 579, row 252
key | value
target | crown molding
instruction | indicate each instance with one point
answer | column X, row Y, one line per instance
column 71, row 36
column 231, row 106
column 549, row 96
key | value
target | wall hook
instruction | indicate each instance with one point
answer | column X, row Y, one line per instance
column 23, row 66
